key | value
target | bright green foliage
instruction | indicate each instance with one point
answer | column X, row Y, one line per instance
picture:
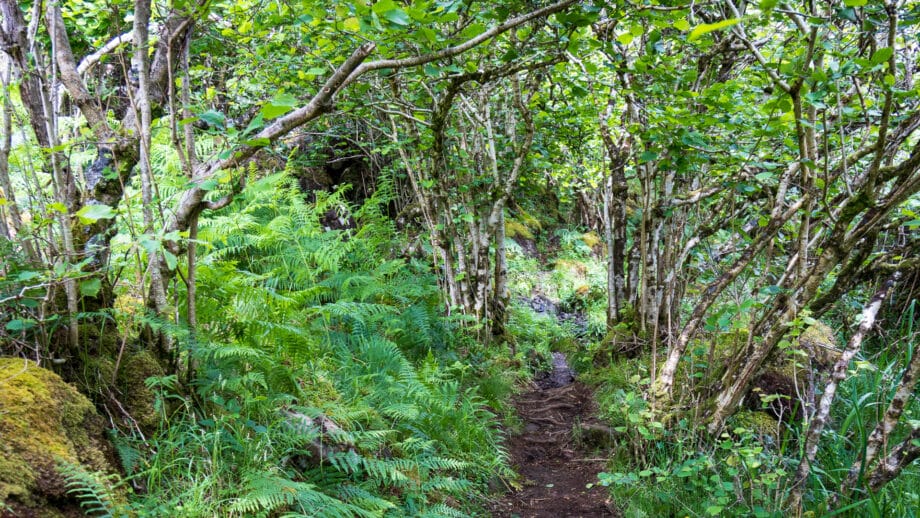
column 93, row 490
column 671, row 470
column 318, row 322
column 312, row 309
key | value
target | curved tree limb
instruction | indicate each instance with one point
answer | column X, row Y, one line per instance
column 822, row 415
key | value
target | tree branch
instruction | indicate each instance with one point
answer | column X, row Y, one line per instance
column 822, row 415
column 462, row 47
column 91, row 60
column 318, row 105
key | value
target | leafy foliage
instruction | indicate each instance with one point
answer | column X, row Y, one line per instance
column 94, row 491
column 305, row 320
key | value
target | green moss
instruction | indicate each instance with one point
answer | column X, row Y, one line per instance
column 591, row 239
column 104, row 340
column 566, row 344
column 624, row 339
column 135, row 368
column 529, row 221
column 43, row 420
column 819, row 332
column 571, row 268
column 514, row 228
column 710, row 355
column 620, row 333
column 759, row 423
column 820, row 343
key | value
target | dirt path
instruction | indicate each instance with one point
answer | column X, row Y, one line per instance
column 554, row 470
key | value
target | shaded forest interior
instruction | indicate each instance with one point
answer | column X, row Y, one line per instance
column 457, row 258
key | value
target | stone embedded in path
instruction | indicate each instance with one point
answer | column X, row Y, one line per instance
column 560, row 376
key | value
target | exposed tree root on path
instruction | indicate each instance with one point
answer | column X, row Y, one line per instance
column 555, row 469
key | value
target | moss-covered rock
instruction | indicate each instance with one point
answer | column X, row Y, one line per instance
column 571, row 269
column 623, row 339
column 529, row 221
column 43, row 422
column 783, row 386
column 761, row 424
column 591, row 240
column 136, row 367
column 516, row 229
column 819, row 341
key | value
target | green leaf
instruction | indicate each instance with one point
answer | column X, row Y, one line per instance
column 397, row 17
column 428, row 35
column 281, row 103
column 682, row 25
column 20, row 324
column 214, row 118
column 383, row 6
column 209, row 185
column 473, row 30
column 647, row 156
column 270, row 111
column 285, row 99
column 390, row 11
column 90, row 214
column 254, row 125
column 90, row 287
column 27, row 276
column 352, row 24
column 171, row 260
column 881, row 55
column 258, row 142
column 855, row 3
column 150, row 245
column 847, row 13
column 706, row 28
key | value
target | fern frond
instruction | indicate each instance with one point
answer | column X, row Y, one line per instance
column 93, row 490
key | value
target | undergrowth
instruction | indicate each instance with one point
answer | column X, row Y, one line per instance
column 669, row 466
column 301, row 326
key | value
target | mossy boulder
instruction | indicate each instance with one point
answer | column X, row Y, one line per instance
column 789, row 375
column 760, row 424
column 517, row 229
column 139, row 400
column 44, row 422
column 523, row 231
column 819, row 341
column 624, row 339
column 571, row 269
column 592, row 241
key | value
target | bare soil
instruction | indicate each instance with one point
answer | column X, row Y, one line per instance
column 555, row 469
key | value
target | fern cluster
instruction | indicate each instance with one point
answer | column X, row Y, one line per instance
column 299, row 318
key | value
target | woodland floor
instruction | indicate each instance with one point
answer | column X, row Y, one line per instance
column 555, row 469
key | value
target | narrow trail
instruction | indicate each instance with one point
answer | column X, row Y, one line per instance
column 555, row 470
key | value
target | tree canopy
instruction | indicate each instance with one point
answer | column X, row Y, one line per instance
column 321, row 231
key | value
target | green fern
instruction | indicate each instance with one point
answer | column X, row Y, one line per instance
column 93, row 490
column 324, row 323
column 266, row 493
